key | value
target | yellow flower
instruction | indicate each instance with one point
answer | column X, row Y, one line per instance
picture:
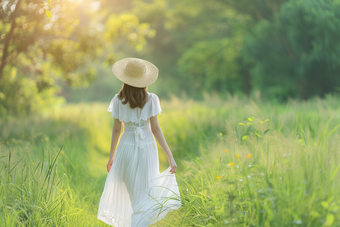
column 61, row 190
column 218, row 177
column 62, row 152
column 287, row 165
column 226, row 151
column 238, row 155
column 7, row 142
column 230, row 164
column 46, row 139
column 249, row 155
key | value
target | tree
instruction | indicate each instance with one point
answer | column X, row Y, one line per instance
column 38, row 52
column 197, row 44
column 201, row 41
column 297, row 54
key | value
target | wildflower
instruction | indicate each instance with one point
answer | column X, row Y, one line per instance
column 218, row 177
column 249, row 155
column 46, row 139
column 287, row 165
column 230, row 164
column 61, row 190
column 238, row 155
column 62, row 152
column 226, row 151
column 7, row 142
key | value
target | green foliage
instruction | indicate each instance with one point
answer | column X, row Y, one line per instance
column 128, row 25
column 20, row 96
column 202, row 43
column 255, row 128
column 205, row 62
column 43, row 51
column 297, row 53
column 282, row 48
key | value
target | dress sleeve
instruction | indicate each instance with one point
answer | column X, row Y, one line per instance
column 156, row 106
column 114, row 107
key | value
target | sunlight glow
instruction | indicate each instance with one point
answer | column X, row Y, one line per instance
column 95, row 5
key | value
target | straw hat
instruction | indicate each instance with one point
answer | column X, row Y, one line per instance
column 135, row 72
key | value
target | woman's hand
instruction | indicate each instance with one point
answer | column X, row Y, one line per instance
column 109, row 165
column 173, row 165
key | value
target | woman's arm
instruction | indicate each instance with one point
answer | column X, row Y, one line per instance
column 114, row 140
column 157, row 132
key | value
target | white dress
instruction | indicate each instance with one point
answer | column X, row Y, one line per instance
column 135, row 192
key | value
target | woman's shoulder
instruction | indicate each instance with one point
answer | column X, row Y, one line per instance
column 153, row 96
column 116, row 97
column 154, row 106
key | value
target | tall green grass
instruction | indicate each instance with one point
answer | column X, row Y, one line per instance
column 53, row 166
column 286, row 177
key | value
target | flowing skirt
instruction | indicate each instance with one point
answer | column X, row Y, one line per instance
column 135, row 192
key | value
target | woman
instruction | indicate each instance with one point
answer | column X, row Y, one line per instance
column 135, row 192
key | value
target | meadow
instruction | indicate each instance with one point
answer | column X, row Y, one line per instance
column 240, row 162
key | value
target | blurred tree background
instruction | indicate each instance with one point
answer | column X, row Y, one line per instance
column 57, row 51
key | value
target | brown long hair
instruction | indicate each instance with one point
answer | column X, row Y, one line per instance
column 137, row 97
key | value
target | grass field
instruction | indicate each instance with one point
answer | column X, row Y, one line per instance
column 53, row 166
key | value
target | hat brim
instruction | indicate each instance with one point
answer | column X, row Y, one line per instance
column 147, row 79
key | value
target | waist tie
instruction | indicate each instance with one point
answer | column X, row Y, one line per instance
column 139, row 136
